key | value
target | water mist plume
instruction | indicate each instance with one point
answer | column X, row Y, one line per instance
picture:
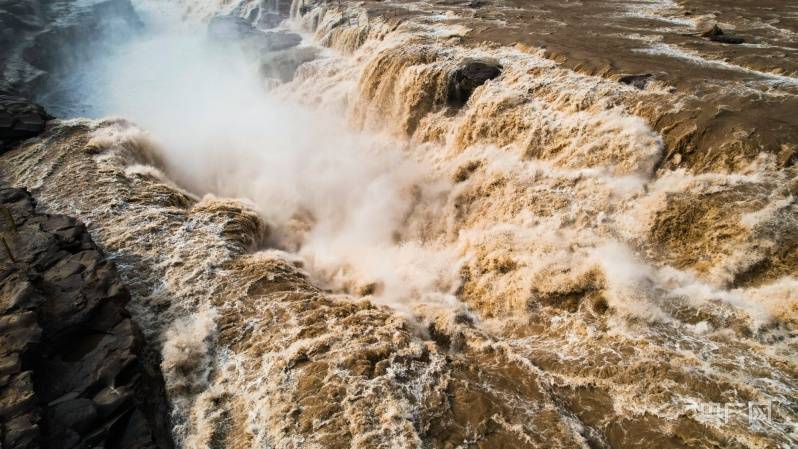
column 338, row 199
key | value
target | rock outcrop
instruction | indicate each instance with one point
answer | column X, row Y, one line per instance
column 19, row 119
column 71, row 369
column 277, row 52
column 465, row 79
column 638, row 81
column 232, row 29
column 716, row 34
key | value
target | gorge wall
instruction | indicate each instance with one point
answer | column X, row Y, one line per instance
column 72, row 369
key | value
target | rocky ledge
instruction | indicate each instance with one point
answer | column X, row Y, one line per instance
column 19, row 119
column 72, row 370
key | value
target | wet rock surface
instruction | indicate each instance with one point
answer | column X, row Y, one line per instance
column 716, row 34
column 19, row 119
column 469, row 76
column 638, row 81
column 71, row 370
column 283, row 65
column 231, row 29
column 277, row 52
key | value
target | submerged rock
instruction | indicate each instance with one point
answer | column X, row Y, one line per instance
column 470, row 75
column 716, row 34
column 638, row 81
column 71, row 373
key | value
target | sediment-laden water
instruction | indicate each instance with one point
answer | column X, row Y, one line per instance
column 331, row 250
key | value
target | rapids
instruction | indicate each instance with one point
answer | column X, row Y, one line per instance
column 330, row 254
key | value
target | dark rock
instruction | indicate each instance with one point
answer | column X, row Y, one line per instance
column 19, row 119
column 470, row 75
column 284, row 64
column 277, row 52
column 110, row 399
column 78, row 414
column 264, row 15
column 724, row 39
column 638, row 81
column 70, row 356
column 283, row 7
column 21, row 432
column 236, row 30
column 269, row 20
column 281, row 40
column 716, row 34
column 712, row 31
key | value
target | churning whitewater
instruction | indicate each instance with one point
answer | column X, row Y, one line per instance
column 331, row 249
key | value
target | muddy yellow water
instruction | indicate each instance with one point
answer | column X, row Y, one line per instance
column 576, row 263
